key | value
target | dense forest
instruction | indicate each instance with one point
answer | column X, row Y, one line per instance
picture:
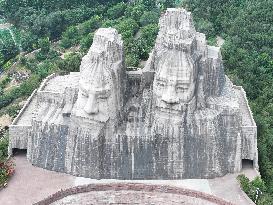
column 247, row 27
column 53, row 35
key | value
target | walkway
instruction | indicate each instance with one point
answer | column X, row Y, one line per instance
column 5, row 26
column 31, row 184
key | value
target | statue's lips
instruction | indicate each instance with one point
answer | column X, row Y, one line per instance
column 176, row 109
column 98, row 117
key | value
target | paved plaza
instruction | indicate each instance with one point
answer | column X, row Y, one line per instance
column 31, row 184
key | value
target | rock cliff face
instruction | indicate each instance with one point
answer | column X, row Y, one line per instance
column 179, row 117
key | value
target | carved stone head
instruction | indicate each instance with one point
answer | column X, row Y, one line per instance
column 175, row 66
column 100, row 85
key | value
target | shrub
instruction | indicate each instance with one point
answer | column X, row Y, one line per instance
column 4, row 82
column 149, row 17
column 46, row 68
column 116, row 11
column 44, row 45
column 6, row 171
column 256, row 189
column 127, row 27
column 86, row 42
column 4, row 143
column 90, row 25
column 13, row 110
column 132, row 60
column 71, row 63
column 70, row 37
column 135, row 11
column 6, row 167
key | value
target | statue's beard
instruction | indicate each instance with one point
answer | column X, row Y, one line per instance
column 163, row 109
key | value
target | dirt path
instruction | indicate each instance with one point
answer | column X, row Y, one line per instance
column 5, row 26
column 5, row 120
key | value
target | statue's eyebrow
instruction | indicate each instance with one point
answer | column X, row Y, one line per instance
column 183, row 82
column 82, row 88
column 183, row 85
column 161, row 79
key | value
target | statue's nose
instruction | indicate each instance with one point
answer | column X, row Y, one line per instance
column 91, row 106
column 169, row 95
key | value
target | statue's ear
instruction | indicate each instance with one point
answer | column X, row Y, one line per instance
column 69, row 99
column 200, row 93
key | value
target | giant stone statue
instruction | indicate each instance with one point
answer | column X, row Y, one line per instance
column 179, row 117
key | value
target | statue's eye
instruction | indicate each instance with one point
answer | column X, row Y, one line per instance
column 161, row 84
column 104, row 94
column 84, row 94
column 180, row 89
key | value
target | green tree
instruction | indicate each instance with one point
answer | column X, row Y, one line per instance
column 149, row 17
column 2, row 60
column 86, row 42
column 70, row 37
column 116, row 11
column 127, row 27
column 71, row 63
column 44, row 44
column 90, row 26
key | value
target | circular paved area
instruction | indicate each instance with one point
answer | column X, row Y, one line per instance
column 130, row 193
column 129, row 197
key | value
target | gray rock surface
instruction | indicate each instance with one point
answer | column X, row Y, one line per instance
column 179, row 117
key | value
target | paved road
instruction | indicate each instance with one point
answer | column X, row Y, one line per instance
column 31, row 184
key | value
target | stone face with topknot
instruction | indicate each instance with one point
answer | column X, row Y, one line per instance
column 100, row 92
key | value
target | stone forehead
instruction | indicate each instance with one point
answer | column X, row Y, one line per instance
column 108, row 34
column 176, row 65
column 178, row 19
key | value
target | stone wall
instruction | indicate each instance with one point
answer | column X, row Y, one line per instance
column 18, row 134
column 46, row 80
column 249, row 130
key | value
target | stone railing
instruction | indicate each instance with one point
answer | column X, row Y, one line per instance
column 18, row 133
column 246, row 101
column 45, row 81
column 133, row 69
column 134, row 72
column 29, row 100
column 132, row 187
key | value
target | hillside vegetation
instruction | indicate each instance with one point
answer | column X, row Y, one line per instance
column 247, row 27
column 53, row 35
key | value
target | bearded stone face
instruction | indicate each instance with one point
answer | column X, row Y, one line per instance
column 96, row 92
column 174, row 84
column 175, row 80
column 99, row 93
